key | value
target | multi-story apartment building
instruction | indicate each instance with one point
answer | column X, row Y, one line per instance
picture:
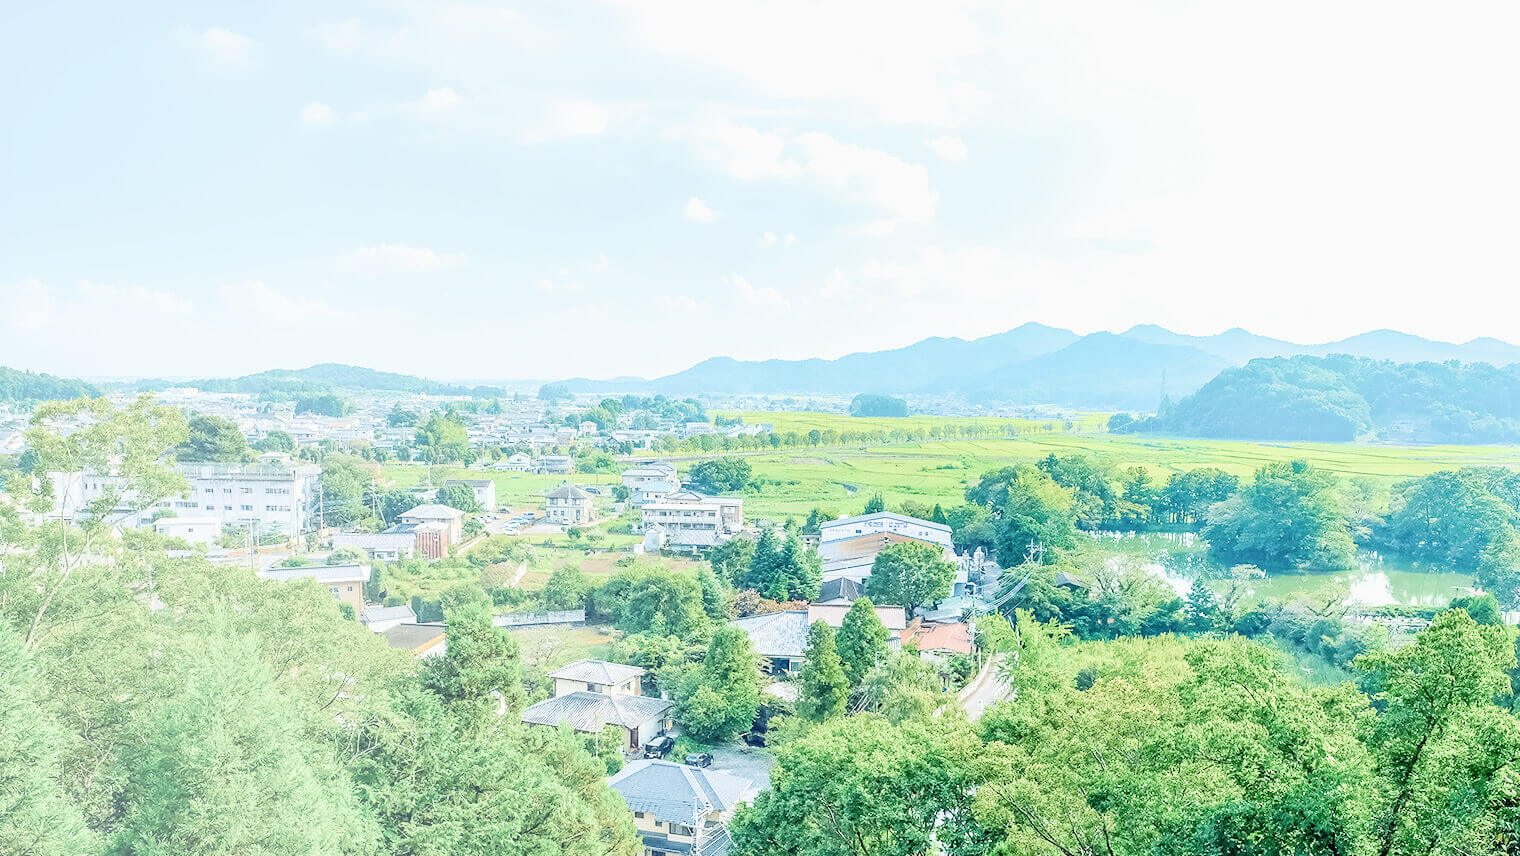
column 649, row 482
column 273, row 495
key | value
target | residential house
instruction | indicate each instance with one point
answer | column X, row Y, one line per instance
column 679, row 809
column 434, row 529
column 692, row 521
column 617, row 700
column 483, row 489
column 845, row 590
column 938, row 641
column 346, row 582
column 517, row 463
column 568, row 505
column 555, row 465
column 382, row 618
column 424, row 640
column 650, row 482
column 379, row 546
column 781, row 637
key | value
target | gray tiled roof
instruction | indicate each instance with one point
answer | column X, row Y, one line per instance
column 776, row 634
column 844, row 588
column 320, row 573
column 568, row 491
column 597, row 672
column 590, row 712
column 676, row 792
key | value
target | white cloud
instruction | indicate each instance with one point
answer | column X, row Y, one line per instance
column 763, row 298
column 836, row 285
column 901, row 61
column 682, row 304
column 100, row 295
column 871, row 176
column 742, row 152
column 767, row 239
column 574, row 118
column 436, row 104
column 949, row 148
column 254, row 298
column 563, row 286
column 28, row 304
column 393, row 258
column 697, row 211
column 218, row 47
column 317, row 113
column 852, row 173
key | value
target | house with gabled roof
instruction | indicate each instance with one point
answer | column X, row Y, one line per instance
column 591, row 695
column 568, row 505
column 680, row 809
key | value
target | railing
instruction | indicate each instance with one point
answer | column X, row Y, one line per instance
column 529, row 619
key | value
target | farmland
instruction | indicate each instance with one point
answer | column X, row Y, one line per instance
column 795, row 481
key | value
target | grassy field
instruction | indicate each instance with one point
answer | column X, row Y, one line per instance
column 804, row 421
column 841, row 479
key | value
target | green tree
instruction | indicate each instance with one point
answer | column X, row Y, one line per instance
column 910, row 574
column 458, row 496
column 212, row 438
column 566, row 588
column 718, row 699
column 481, row 671
column 347, row 554
column 1440, row 743
column 859, row 785
column 276, row 441
column 441, row 439
column 862, row 641
column 731, row 559
column 36, row 814
column 875, row 505
column 720, row 475
column 824, row 687
column 1291, row 515
column 223, row 768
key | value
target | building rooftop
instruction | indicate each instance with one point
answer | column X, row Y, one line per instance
column 885, row 516
column 470, row 482
column 676, row 792
column 320, row 573
column 590, row 712
column 388, row 613
column 597, row 672
column 568, row 491
column 434, row 511
column 776, row 634
column 414, row 637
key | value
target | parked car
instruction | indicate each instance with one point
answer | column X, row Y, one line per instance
column 755, row 738
column 699, row 759
column 659, row 747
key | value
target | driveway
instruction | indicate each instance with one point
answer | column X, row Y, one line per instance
column 746, row 762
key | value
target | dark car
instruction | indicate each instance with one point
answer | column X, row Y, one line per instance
column 699, row 759
column 755, row 738
column 659, row 747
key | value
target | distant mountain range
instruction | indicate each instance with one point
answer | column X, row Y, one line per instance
column 317, row 378
column 1037, row 364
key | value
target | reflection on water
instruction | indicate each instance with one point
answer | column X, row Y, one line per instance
column 1377, row 580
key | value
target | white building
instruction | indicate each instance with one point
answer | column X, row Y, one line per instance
column 379, row 546
column 848, row 546
column 692, row 521
column 650, row 482
column 274, row 495
column 195, row 530
column 568, row 505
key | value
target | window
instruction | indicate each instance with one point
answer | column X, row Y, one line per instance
column 247, row 508
column 226, row 490
column 210, row 490
column 228, row 507
column 247, row 490
column 682, row 829
column 638, row 814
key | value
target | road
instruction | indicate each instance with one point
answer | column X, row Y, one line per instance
column 985, row 690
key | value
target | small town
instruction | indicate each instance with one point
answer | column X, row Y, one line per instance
column 737, row 428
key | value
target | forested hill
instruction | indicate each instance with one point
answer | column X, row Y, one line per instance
column 1341, row 398
column 33, row 386
column 321, row 377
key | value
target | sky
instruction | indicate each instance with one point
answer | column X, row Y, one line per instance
column 573, row 188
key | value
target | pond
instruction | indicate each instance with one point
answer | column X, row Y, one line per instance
column 1378, row 580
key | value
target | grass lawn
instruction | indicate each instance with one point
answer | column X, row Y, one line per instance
column 548, row 648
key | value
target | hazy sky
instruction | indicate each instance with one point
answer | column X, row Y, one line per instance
column 561, row 188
